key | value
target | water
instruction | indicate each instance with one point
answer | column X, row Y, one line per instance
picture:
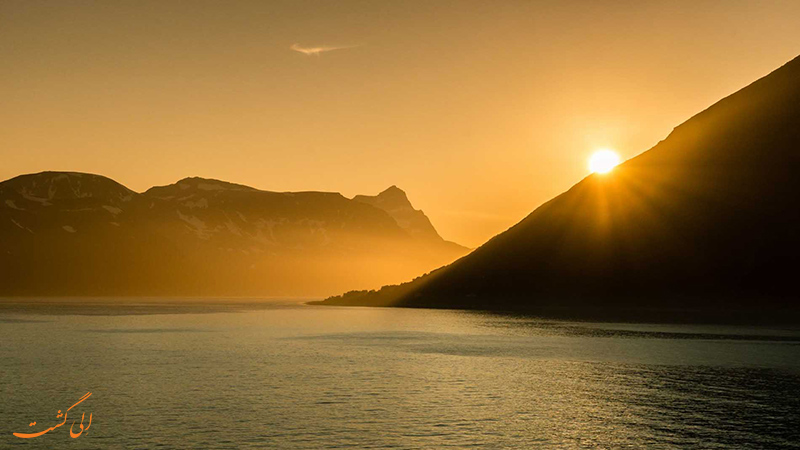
column 295, row 376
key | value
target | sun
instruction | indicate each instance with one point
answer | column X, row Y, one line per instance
column 603, row 161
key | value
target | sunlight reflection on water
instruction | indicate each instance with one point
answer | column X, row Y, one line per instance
column 316, row 377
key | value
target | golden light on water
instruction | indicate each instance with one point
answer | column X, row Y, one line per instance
column 603, row 161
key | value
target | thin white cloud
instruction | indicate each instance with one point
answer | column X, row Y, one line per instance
column 317, row 50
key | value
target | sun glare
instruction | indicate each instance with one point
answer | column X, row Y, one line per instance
column 603, row 161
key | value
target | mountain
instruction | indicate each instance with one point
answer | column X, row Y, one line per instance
column 395, row 202
column 705, row 223
column 66, row 233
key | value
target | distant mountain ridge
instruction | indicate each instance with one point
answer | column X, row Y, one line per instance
column 704, row 223
column 394, row 201
column 67, row 233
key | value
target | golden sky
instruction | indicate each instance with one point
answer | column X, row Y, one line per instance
column 480, row 110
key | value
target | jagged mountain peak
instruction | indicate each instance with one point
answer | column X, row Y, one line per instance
column 394, row 201
column 390, row 198
column 394, row 197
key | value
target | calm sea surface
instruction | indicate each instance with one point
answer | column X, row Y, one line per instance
column 295, row 376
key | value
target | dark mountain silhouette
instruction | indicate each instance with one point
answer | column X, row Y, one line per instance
column 82, row 234
column 707, row 221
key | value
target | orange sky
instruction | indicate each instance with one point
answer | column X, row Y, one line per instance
column 480, row 110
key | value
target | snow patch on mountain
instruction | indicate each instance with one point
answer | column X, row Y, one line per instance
column 233, row 228
column 21, row 226
column 112, row 209
column 42, row 201
column 209, row 187
column 201, row 203
column 199, row 227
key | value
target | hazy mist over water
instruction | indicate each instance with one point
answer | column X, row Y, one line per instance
column 296, row 376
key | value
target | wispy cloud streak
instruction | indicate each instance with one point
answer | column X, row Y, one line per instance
column 317, row 50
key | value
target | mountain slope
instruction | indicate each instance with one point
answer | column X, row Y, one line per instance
column 707, row 220
column 395, row 202
column 82, row 234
